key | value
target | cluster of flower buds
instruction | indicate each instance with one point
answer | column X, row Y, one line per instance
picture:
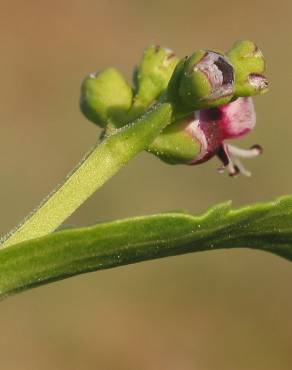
column 108, row 100
column 211, row 97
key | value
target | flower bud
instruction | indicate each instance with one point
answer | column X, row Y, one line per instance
column 105, row 96
column 207, row 80
column 249, row 65
column 153, row 74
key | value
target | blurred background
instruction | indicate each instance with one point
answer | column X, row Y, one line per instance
column 222, row 310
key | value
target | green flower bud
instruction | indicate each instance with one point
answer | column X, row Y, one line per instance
column 249, row 65
column 105, row 96
column 153, row 74
column 207, row 80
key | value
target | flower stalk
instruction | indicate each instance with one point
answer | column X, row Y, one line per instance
column 99, row 165
column 152, row 116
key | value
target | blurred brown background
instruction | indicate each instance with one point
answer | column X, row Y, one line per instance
column 227, row 310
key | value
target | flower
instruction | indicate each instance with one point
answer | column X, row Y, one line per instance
column 211, row 127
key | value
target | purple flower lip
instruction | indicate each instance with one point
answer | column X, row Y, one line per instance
column 207, row 134
column 211, row 127
column 235, row 119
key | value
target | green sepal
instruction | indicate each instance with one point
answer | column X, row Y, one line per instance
column 105, row 96
column 194, row 86
column 249, row 65
column 174, row 145
column 171, row 94
column 153, row 74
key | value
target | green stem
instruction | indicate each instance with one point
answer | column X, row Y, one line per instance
column 94, row 170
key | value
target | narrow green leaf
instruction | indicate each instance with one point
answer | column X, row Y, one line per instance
column 265, row 226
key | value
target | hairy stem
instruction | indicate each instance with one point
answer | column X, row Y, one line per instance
column 93, row 171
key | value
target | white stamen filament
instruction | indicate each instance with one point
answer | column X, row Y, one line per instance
column 240, row 167
column 233, row 154
column 243, row 153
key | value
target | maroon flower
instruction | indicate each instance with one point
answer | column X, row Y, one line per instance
column 211, row 127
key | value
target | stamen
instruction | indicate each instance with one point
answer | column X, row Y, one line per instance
column 241, row 167
column 254, row 151
column 223, row 155
column 228, row 154
column 233, row 171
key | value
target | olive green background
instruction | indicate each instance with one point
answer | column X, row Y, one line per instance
column 225, row 310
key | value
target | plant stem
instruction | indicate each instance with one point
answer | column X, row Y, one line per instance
column 99, row 165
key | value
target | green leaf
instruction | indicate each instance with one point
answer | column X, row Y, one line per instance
column 265, row 226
